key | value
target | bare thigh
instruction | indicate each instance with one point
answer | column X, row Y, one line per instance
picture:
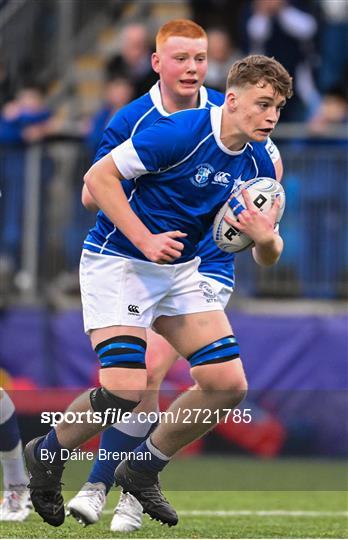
column 189, row 333
column 160, row 356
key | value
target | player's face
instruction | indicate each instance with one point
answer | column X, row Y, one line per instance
column 182, row 65
column 256, row 110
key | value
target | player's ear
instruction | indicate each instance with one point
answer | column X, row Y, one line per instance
column 155, row 62
column 231, row 99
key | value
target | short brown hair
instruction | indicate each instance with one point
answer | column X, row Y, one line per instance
column 258, row 68
column 181, row 28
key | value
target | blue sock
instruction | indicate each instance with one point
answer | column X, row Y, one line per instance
column 50, row 444
column 112, row 440
column 149, row 458
column 9, row 434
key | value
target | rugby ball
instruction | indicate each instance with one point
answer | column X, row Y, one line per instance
column 263, row 192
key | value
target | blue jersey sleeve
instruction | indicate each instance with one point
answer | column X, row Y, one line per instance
column 266, row 167
column 157, row 148
column 117, row 131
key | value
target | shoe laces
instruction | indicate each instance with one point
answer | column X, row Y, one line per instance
column 48, row 473
column 95, row 496
column 125, row 504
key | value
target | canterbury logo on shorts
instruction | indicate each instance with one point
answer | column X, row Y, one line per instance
column 133, row 309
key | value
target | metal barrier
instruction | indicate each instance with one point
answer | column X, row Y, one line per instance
column 43, row 223
column 314, row 263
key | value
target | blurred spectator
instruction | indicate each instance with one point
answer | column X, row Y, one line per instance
column 5, row 84
column 24, row 120
column 277, row 28
column 134, row 59
column 115, row 8
column 221, row 55
column 219, row 13
column 332, row 113
column 333, row 43
column 118, row 91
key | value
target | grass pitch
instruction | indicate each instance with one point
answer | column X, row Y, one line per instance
column 214, row 513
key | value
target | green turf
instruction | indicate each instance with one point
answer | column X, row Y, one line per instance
column 208, row 526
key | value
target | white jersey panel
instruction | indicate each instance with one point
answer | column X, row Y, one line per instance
column 127, row 160
column 272, row 150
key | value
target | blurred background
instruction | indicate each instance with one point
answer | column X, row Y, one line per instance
column 65, row 67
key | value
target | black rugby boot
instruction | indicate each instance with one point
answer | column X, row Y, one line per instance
column 45, row 486
column 146, row 489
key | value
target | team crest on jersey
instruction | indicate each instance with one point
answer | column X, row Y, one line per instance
column 201, row 178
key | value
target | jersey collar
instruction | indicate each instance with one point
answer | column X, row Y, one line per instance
column 215, row 118
column 156, row 98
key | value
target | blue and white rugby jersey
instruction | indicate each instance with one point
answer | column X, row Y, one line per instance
column 216, row 263
column 142, row 113
column 186, row 174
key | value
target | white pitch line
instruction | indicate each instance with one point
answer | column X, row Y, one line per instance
column 222, row 513
column 310, row 513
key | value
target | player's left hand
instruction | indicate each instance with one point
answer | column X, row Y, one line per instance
column 256, row 224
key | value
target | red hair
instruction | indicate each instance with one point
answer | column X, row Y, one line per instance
column 181, row 28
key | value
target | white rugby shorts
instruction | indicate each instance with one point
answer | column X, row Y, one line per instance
column 130, row 292
column 222, row 291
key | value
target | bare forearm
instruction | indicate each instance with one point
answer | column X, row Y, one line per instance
column 268, row 253
column 87, row 200
column 103, row 181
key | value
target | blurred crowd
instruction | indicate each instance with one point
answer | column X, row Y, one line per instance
column 310, row 38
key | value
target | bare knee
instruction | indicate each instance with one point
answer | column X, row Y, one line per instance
column 124, row 382
column 160, row 356
column 238, row 391
column 226, row 380
column 232, row 391
column 154, row 380
column 156, row 374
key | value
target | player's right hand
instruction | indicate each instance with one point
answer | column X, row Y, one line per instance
column 163, row 248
